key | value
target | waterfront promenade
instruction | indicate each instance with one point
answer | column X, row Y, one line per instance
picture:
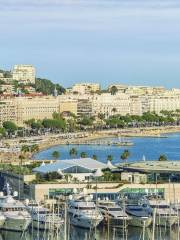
column 50, row 140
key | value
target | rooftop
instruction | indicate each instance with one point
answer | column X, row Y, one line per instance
column 84, row 163
column 153, row 166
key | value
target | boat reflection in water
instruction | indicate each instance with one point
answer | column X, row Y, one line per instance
column 75, row 233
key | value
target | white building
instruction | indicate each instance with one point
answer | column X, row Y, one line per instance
column 86, row 88
column 109, row 105
column 24, row 73
column 78, row 168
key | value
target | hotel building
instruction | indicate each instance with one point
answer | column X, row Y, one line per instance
column 24, row 73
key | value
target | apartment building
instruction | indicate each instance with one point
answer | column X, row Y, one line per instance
column 168, row 102
column 68, row 106
column 7, row 88
column 109, row 105
column 86, row 88
column 24, row 73
column 8, row 111
column 38, row 107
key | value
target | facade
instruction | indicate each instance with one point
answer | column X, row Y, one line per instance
column 109, row 105
column 86, row 88
column 84, row 107
column 136, row 105
column 8, row 111
column 68, row 106
column 157, row 103
column 37, row 107
column 24, row 74
column 120, row 87
column 7, row 88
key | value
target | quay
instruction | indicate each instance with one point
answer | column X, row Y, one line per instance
column 104, row 142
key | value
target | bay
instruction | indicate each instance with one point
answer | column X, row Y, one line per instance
column 150, row 147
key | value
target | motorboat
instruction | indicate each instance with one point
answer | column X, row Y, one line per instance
column 113, row 214
column 164, row 214
column 84, row 213
column 141, row 216
column 42, row 218
column 16, row 217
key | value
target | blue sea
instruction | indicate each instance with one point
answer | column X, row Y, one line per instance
column 149, row 147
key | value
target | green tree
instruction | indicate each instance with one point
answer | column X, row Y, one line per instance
column 110, row 158
column 25, row 148
column 162, row 157
column 125, row 155
column 73, row 152
column 55, row 154
column 34, row 148
column 10, row 126
column 2, row 132
column 21, row 158
column 54, row 123
column 47, row 87
column 113, row 90
column 83, row 155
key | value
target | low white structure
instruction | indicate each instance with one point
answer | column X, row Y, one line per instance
column 77, row 168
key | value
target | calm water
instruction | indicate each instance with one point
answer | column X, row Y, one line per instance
column 101, row 234
column 150, row 147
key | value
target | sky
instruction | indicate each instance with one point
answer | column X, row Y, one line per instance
column 135, row 42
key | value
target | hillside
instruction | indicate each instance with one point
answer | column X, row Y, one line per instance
column 41, row 85
column 47, row 87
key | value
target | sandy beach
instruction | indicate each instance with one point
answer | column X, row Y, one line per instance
column 80, row 138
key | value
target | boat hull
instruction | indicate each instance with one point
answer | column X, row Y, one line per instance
column 140, row 221
column 117, row 222
column 166, row 221
column 84, row 222
column 14, row 224
column 42, row 225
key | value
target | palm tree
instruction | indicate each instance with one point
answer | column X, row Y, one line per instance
column 94, row 157
column 73, row 152
column 21, row 158
column 110, row 158
column 162, row 158
column 83, row 155
column 125, row 155
column 24, row 148
column 34, row 148
column 55, row 154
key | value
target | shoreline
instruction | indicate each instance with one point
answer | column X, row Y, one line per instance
column 53, row 140
column 151, row 132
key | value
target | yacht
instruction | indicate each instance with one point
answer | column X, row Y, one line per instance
column 2, row 220
column 140, row 215
column 165, row 214
column 84, row 213
column 16, row 216
column 42, row 218
column 113, row 214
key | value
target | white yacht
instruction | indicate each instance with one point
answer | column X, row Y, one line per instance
column 42, row 218
column 2, row 220
column 140, row 215
column 84, row 213
column 16, row 216
column 165, row 215
column 113, row 214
